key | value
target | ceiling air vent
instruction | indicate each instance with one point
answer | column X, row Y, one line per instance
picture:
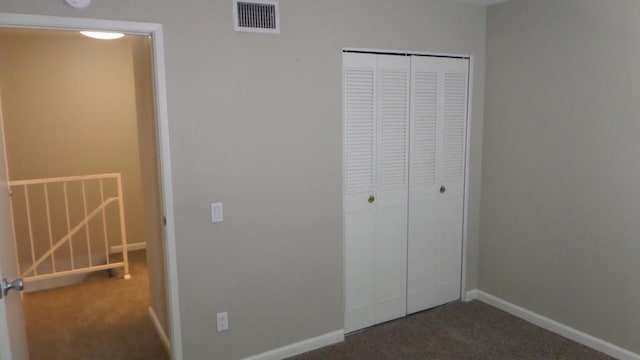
column 259, row 16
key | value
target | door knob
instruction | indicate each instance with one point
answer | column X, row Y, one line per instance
column 371, row 199
column 442, row 189
column 16, row 284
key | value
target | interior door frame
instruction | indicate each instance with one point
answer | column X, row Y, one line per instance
column 8, row 20
column 467, row 157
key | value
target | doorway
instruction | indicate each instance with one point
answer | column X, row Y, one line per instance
column 160, row 197
column 78, row 121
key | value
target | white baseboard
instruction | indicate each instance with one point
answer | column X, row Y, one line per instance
column 163, row 336
column 301, row 346
column 553, row 326
column 130, row 247
column 471, row 295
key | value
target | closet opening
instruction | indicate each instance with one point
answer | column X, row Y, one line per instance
column 405, row 133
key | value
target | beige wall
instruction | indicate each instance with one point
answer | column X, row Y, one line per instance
column 255, row 122
column 69, row 109
column 560, row 199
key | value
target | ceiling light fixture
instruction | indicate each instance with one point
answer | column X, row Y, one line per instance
column 102, row 35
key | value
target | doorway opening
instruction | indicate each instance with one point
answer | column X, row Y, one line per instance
column 78, row 113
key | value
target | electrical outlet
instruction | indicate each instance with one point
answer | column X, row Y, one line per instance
column 223, row 321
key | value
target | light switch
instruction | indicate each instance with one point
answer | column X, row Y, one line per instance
column 216, row 212
column 223, row 321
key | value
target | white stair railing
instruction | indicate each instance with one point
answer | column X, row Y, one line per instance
column 40, row 226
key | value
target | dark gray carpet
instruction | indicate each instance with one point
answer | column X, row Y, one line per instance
column 101, row 318
column 457, row 331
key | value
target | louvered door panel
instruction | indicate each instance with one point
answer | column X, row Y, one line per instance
column 392, row 178
column 425, row 145
column 437, row 148
column 393, row 125
column 359, row 111
column 359, row 130
column 451, row 169
column 454, row 125
column 423, row 127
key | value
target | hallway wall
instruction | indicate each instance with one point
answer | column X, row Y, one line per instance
column 69, row 109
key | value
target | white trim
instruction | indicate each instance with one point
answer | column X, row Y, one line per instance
column 471, row 295
column 159, row 329
column 556, row 327
column 171, row 257
column 130, row 247
column 301, row 346
column 405, row 52
column 343, row 151
column 162, row 119
column 467, row 158
column 6, row 167
column 75, row 24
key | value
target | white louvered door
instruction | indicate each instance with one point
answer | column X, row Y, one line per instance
column 359, row 112
column 376, row 125
column 437, row 153
column 392, row 186
column 404, row 139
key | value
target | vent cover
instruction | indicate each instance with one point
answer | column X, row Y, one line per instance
column 261, row 16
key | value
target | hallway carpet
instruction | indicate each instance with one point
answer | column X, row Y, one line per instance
column 101, row 318
column 456, row 331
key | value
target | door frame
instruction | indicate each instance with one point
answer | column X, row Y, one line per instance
column 467, row 157
column 8, row 20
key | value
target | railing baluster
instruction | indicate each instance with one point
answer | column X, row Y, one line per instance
column 46, row 203
column 73, row 231
column 13, row 228
column 33, row 251
column 31, row 272
column 123, row 232
column 66, row 207
column 84, row 206
column 104, row 224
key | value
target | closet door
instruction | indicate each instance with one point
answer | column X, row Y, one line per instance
column 392, row 186
column 359, row 114
column 376, row 120
column 436, row 185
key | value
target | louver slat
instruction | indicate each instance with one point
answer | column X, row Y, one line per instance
column 424, row 125
column 256, row 15
column 454, row 126
column 359, row 132
column 394, row 120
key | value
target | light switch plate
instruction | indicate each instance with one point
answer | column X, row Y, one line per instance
column 223, row 321
column 216, row 212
